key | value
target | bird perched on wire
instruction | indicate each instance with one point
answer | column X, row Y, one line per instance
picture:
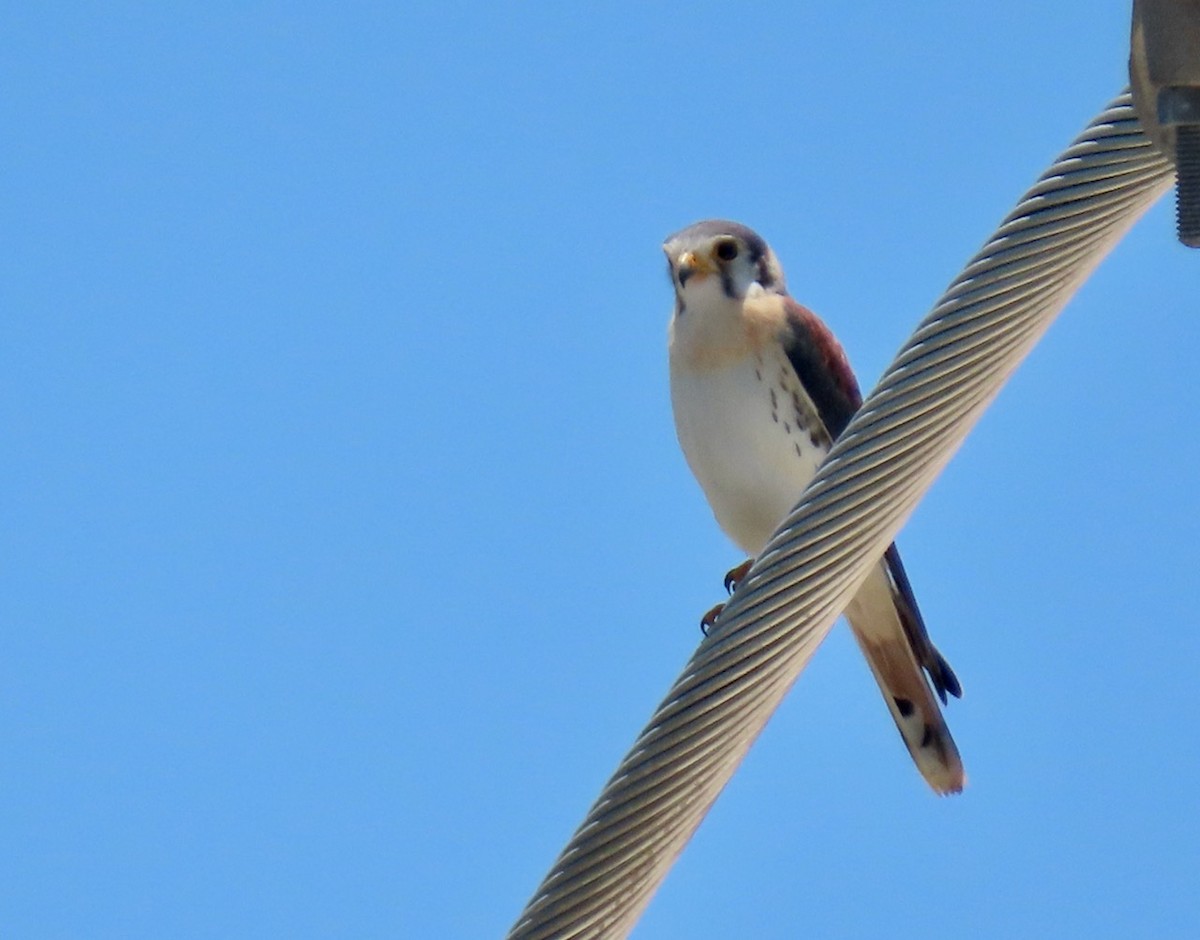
column 760, row 389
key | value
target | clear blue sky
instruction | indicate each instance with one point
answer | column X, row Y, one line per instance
column 346, row 542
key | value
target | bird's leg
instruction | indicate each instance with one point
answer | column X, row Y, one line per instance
column 735, row 575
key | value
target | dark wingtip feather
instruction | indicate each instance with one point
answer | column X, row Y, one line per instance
column 944, row 679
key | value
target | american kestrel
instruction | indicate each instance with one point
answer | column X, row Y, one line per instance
column 760, row 388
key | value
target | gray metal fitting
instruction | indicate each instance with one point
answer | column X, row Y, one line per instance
column 1164, row 70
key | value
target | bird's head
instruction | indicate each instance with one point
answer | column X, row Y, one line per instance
column 720, row 259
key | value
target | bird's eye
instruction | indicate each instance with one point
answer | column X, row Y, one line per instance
column 726, row 249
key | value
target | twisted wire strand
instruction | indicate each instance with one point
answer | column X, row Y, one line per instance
column 907, row 430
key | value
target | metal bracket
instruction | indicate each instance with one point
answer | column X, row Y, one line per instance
column 1164, row 70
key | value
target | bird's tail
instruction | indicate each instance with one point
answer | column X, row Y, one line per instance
column 876, row 622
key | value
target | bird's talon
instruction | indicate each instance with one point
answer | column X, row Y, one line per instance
column 707, row 621
column 735, row 575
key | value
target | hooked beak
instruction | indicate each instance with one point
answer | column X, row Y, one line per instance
column 690, row 264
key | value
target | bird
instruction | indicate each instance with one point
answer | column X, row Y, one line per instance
column 760, row 389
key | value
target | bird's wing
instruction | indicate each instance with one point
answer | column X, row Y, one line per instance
column 884, row 615
column 943, row 677
column 822, row 367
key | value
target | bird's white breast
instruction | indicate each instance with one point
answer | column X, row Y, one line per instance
column 751, row 436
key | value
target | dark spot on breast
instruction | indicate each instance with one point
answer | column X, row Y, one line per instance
column 758, row 373
column 903, row 706
column 799, row 452
column 787, row 428
column 927, row 738
column 815, row 438
column 774, row 400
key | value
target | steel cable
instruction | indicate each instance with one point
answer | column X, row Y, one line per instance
column 907, row 430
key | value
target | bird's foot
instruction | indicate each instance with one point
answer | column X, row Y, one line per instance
column 731, row 582
column 735, row 575
column 707, row 621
